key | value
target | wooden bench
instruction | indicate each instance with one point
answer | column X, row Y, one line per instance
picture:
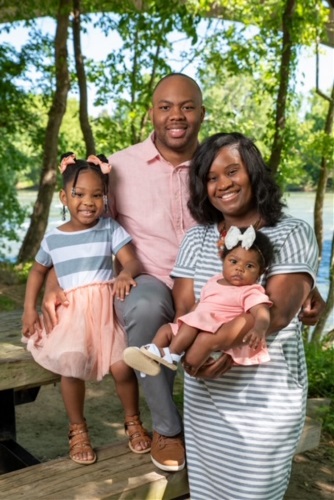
column 20, row 380
column 117, row 474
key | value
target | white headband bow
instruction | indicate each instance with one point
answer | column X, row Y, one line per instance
column 234, row 235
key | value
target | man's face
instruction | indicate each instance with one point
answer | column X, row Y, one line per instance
column 177, row 114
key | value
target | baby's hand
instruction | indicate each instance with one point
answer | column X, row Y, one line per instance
column 122, row 285
column 255, row 339
column 31, row 323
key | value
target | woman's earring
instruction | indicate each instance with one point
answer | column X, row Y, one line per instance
column 63, row 213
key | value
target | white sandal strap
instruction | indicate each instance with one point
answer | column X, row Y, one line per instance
column 171, row 357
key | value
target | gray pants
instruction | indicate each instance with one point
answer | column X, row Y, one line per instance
column 149, row 306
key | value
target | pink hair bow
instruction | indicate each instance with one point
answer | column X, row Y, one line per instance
column 234, row 235
column 65, row 162
column 105, row 167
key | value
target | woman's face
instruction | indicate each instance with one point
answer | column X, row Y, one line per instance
column 228, row 184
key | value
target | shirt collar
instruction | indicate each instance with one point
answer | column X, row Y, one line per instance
column 151, row 153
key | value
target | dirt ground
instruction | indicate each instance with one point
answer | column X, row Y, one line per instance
column 42, row 428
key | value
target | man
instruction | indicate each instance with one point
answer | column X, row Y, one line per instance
column 149, row 192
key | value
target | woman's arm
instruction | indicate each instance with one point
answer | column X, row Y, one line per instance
column 288, row 293
column 312, row 309
column 183, row 295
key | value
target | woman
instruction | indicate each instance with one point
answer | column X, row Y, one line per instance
column 242, row 424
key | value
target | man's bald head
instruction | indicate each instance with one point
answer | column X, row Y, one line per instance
column 178, row 76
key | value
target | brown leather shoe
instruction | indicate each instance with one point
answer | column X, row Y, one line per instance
column 168, row 453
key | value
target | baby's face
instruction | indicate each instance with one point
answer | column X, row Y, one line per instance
column 242, row 267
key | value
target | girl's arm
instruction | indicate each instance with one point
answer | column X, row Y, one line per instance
column 132, row 267
column 54, row 295
column 256, row 336
column 30, row 318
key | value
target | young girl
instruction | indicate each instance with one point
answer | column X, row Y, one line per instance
column 87, row 343
column 246, row 254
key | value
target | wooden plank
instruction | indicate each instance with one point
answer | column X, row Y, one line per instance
column 310, row 437
column 18, row 369
column 118, row 474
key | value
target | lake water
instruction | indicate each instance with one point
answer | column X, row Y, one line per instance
column 300, row 205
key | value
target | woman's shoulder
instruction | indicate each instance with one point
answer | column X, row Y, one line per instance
column 201, row 230
column 200, row 237
column 288, row 224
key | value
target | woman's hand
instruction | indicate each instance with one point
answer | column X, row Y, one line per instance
column 212, row 368
column 312, row 308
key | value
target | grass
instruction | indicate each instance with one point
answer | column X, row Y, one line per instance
column 7, row 304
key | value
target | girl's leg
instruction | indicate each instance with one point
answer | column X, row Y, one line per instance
column 73, row 393
column 163, row 337
column 127, row 391
column 227, row 336
column 166, row 349
column 177, row 343
column 184, row 338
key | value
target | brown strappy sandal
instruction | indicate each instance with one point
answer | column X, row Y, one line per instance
column 80, row 443
column 136, row 433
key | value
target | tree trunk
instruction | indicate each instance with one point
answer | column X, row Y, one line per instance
column 318, row 331
column 287, row 52
column 82, row 81
column 323, row 177
column 318, row 222
column 39, row 217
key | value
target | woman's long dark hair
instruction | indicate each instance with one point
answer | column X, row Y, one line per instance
column 266, row 192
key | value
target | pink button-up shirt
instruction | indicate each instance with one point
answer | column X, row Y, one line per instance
column 148, row 196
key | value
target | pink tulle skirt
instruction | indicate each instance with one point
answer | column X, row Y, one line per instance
column 87, row 339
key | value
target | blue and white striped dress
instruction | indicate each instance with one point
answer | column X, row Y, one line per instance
column 242, row 429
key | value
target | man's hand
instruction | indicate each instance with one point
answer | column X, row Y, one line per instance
column 312, row 308
column 212, row 368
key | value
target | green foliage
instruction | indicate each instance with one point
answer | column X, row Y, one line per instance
column 128, row 75
column 7, row 304
column 320, row 367
column 237, row 64
column 14, row 274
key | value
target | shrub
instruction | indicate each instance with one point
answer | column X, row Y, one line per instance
column 320, row 366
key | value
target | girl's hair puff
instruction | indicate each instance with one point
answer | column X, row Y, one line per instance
column 72, row 171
